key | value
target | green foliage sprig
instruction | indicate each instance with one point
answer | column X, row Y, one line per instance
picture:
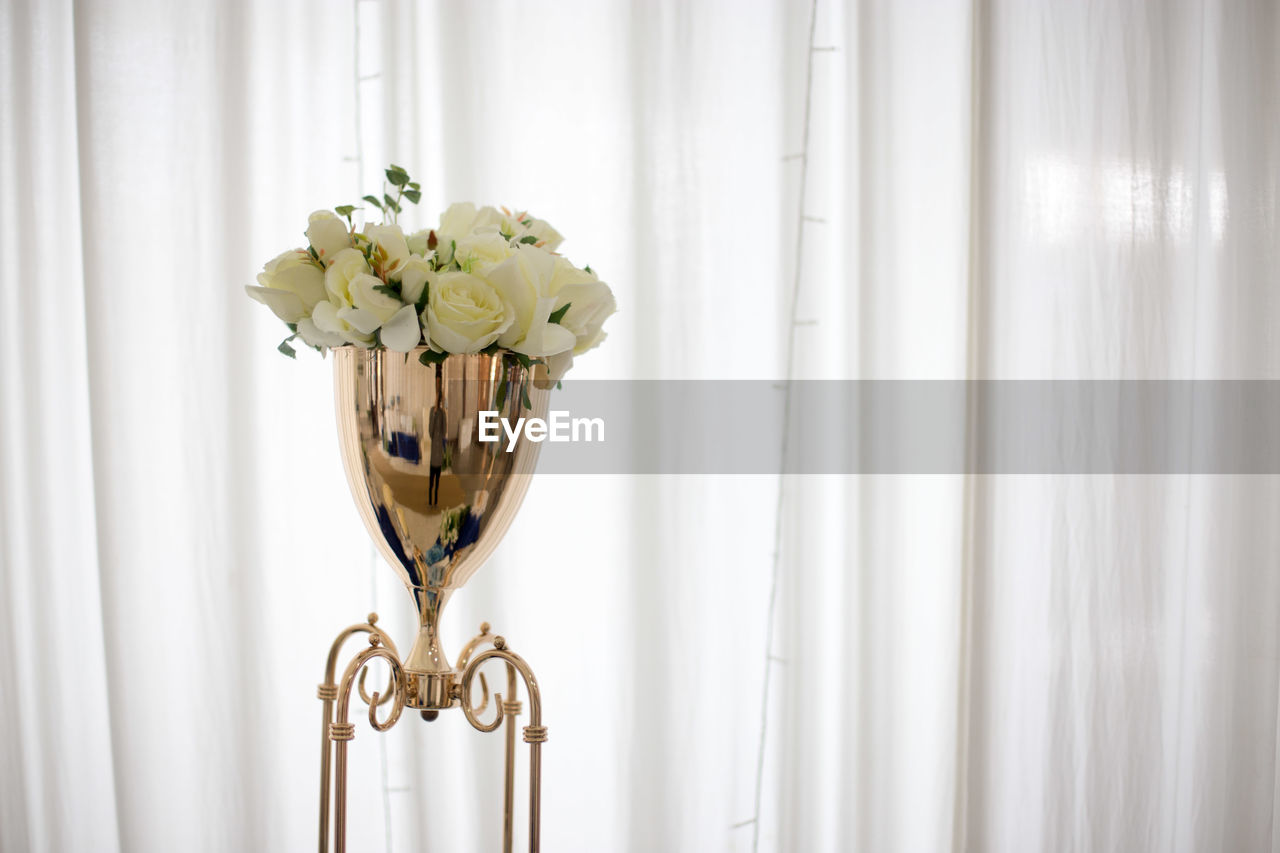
column 406, row 189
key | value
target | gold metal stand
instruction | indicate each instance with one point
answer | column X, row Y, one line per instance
column 338, row 730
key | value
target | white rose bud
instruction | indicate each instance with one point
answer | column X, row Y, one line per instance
column 418, row 242
column 464, row 313
column 328, row 235
column 524, row 281
column 413, row 278
column 390, row 239
column 371, row 310
column 444, row 249
column 346, row 265
column 290, row 285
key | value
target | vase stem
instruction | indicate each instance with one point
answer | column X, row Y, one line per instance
column 427, row 668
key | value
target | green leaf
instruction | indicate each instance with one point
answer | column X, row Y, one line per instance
column 397, row 176
column 392, row 289
column 528, row 239
column 391, row 203
column 311, row 250
column 414, row 196
column 524, row 395
column 502, row 394
column 286, row 349
column 432, row 357
column 491, row 349
column 293, row 327
column 414, row 185
column 588, row 269
column 559, row 385
column 524, row 360
column 345, row 209
column 558, row 314
column 373, row 200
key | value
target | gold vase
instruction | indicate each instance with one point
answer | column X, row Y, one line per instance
column 434, row 497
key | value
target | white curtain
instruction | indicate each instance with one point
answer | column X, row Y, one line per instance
column 1036, row 190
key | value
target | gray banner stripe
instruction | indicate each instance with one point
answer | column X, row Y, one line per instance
column 921, row 427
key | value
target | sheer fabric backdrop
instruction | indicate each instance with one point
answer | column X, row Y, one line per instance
column 990, row 190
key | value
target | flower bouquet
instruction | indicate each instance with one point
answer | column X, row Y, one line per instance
column 486, row 280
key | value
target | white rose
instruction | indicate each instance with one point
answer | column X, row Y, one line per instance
column 413, row 278
column 524, row 281
column 346, row 265
column 328, row 235
column 463, row 218
column 290, row 285
column 481, row 250
column 391, row 241
column 371, row 310
column 464, row 313
column 590, row 303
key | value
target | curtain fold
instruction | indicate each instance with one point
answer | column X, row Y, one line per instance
column 991, row 190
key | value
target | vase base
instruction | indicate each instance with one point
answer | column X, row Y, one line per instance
column 429, row 691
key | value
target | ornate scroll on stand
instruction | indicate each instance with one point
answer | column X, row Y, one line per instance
column 337, row 731
column 436, row 499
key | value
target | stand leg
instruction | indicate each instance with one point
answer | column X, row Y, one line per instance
column 327, row 693
column 326, row 753
column 510, row 710
column 341, row 731
column 535, row 734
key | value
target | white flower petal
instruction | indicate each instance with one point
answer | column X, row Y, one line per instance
column 311, row 333
column 364, row 322
column 402, row 332
column 285, row 305
column 558, row 365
